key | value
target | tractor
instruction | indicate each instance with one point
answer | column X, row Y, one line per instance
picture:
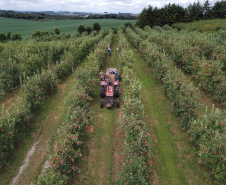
column 109, row 88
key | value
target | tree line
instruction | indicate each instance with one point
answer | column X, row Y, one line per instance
column 111, row 16
column 9, row 36
column 46, row 16
column 88, row 29
column 34, row 15
column 172, row 13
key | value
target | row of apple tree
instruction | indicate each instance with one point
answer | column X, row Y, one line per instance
column 210, row 46
column 36, row 89
column 22, row 59
column 203, row 58
column 137, row 142
column 66, row 153
column 207, row 130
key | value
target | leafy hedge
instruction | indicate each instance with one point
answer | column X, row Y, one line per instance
column 137, row 148
column 36, row 89
column 181, row 92
column 207, row 131
column 65, row 154
column 25, row 58
column 204, row 59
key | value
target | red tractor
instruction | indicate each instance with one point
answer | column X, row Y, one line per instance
column 109, row 88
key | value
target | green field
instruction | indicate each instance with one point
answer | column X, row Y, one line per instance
column 27, row 27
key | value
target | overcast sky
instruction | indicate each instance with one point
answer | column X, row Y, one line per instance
column 100, row 6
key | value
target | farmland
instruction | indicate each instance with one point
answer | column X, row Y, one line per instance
column 169, row 128
column 27, row 27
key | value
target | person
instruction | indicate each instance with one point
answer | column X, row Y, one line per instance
column 108, row 47
column 116, row 75
column 110, row 52
column 117, row 49
column 101, row 74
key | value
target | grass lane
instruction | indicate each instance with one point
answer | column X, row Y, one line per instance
column 99, row 163
column 174, row 161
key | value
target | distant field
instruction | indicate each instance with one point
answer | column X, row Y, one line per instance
column 27, row 27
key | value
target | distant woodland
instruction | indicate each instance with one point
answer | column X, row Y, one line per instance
column 172, row 13
column 41, row 16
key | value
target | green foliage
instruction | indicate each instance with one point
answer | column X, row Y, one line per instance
column 208, row 132
column 9, row 76
column 96, row 26
column 16, row 37
column 12, row 129
column 203, row 57
column 37, row 88
column 88, row 29
column 40, row 34
column 172, row 13
column 219, row 9
column 8, row 36
column 52, row 177
column 81, row 29
column 2, row 37
column 137, row 141
column 212, row 79
column 180, row 91
column 202, row 25
column 87, row 80
column 57, row 31
column 128, row 24
column 66, row 153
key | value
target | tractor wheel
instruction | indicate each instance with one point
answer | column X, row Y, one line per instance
column 102, row 92
column 101, row 103
column 117, row 103
column 117, row 91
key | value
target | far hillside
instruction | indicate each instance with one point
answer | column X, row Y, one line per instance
column 27, row 27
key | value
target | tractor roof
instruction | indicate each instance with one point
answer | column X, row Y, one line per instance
column 111, row 69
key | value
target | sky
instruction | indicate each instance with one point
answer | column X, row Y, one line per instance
column 93, row 6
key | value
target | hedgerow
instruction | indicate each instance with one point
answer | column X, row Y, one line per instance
column 137, row 143
column 26, row 58
column 207, row 131
column 202, row 57
column 181, row 92
column 36, row 90
column 65, row 154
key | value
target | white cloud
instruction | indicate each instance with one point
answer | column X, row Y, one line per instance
column 114, row 6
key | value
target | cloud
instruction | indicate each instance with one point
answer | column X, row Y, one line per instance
column 114, row 6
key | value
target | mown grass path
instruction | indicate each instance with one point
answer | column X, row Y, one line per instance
column 174, row 161
column 102, row 158
column 44, row 127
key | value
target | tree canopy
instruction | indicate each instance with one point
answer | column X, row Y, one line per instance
column 172, row 13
